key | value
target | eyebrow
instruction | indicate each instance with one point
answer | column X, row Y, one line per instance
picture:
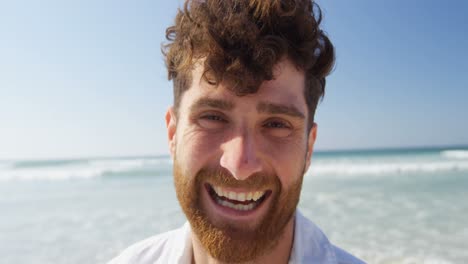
column 273, row 108
column 212, row 103
column 262, row 107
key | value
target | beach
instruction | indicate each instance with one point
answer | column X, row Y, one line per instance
column 384, row 206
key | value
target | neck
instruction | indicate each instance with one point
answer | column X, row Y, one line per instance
column 279, row 253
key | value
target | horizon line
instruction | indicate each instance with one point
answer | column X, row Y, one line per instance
column 324, row 150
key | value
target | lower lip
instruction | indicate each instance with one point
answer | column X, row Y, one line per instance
column 230, row 212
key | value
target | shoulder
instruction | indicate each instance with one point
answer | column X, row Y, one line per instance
column 311, row 245
column 163, row 248
column 343, row 257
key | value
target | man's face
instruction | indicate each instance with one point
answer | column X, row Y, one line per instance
column 239, row 161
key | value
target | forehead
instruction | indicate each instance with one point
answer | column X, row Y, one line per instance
column 287, row 87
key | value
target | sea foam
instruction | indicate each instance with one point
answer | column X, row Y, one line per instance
column 385, row 167
column 79, row 169
column 455, row 154
column 341, row 164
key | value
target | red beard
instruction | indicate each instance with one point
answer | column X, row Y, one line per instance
column 227, row 241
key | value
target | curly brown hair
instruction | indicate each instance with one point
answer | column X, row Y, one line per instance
column 240, row 41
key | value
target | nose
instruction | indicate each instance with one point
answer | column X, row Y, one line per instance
column 240, row 157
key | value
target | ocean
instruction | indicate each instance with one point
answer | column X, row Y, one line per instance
column 384, row 206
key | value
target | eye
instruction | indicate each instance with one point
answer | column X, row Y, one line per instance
column 278, row 128
column 276, row 124
column 212, row 121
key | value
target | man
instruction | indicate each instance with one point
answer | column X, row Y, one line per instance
column 247, row 79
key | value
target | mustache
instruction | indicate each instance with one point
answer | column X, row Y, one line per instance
column 222, row 177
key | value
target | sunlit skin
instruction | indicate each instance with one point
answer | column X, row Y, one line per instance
column 262, row 132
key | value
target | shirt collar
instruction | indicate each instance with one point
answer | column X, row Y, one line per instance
column 310, row 245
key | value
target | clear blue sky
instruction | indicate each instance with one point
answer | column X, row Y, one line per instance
column 86, row 78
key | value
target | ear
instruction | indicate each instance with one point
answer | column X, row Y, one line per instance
column 310, row 144
column 171, row 125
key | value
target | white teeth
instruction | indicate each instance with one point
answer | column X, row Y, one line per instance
column 232, row 195
column 257, row 196
column 239, row 207
column 238, row 196
column 219, row 191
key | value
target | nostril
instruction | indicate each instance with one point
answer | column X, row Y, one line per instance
column 239, row 157
column 242, row 171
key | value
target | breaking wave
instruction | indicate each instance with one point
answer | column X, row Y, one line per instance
column 385, row 167
column 337, row 164
column 83, row 169
column 455, row 154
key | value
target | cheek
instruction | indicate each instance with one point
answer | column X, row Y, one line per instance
column 288, row 160
column 196, row 149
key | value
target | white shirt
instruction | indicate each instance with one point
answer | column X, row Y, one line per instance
column 310, row 246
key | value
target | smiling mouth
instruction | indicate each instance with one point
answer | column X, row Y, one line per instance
column 240, row 201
